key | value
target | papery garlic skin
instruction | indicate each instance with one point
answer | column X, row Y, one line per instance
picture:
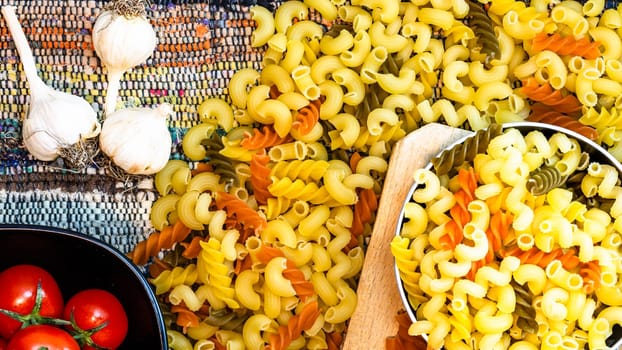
column 121, row 43
column 55, row 121
column 138, row 139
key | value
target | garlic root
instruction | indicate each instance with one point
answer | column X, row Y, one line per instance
column 56, row 120
column 123, row 38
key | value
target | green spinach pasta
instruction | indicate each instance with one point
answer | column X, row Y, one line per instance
column 464, row 152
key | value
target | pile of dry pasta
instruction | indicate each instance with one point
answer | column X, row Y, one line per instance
column 522, row 250
column 260, row 231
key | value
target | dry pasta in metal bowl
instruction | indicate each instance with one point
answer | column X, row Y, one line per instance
column 516, row 244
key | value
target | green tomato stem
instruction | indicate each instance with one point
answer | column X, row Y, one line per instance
column 83, row 336
column 34, row 317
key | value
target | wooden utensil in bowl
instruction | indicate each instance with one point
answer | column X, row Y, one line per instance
column 378, row 296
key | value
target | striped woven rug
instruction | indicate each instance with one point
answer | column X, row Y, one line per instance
column 200, row 45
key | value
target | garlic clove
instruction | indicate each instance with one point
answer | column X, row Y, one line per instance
column 138, row 139
column 39, row 143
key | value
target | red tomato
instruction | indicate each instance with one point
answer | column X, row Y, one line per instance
column 93, row 307
column 19, row 289
column 2, row 344
column 42, row 337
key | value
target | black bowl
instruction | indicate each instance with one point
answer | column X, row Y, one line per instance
column 79, row 262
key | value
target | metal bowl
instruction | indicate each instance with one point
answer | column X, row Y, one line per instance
column 79, row 262
column 597, row 153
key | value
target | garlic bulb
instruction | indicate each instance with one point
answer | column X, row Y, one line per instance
column 123, row 38
column 137, row 139
column 56, row 120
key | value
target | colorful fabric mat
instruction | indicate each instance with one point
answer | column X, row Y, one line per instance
column 200, row 45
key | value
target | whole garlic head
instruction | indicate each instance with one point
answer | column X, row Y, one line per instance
column 123, row 42
column 57, row 120
column 123, row 38
column 137, row 139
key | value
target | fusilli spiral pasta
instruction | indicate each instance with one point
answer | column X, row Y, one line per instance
column 222, row 165
column 544, row 179
column 240, row 211
column 482, row 25
column 294, row 327
column 264, row 138
column 454, row 157
column 170, row 278
column 566, row 45
column 307, row 117
column 260, row 177
column 556, row 118
column 548, row 96
column 158, row 241
column 524, row 309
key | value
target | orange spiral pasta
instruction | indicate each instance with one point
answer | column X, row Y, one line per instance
column 334, row 340
column 364, row 210
column 468, row 182
column 536, row 256
column 355, row 158
column 548, row 96
column 566, row 45
column 402, row 340
column 158, row 266
column 466, row 194
column 302, row 286
column 158, row 241
column 192, row 248
column 459, row 213
column 242, row 265
column 265, row 138
column 564, row 121
column 354, row 242
column 452, row 237
column 245, row 232
column 295, row 326
column 201, row 168
column 496, row 203
column 307, row 117
column 499, row 230
column 260, row 177
column 274, row 92
column 185, row 318
column 217, row 344
column 240, row 211
column 590, row 271
column 267, row 253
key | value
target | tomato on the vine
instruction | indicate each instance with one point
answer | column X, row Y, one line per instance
column 98, row 318
column 19, row 285
column 2, row 344
column 42, row 336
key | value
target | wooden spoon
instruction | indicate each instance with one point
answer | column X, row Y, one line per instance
column 378, row 297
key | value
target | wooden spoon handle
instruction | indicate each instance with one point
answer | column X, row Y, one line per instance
column 378, row 297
